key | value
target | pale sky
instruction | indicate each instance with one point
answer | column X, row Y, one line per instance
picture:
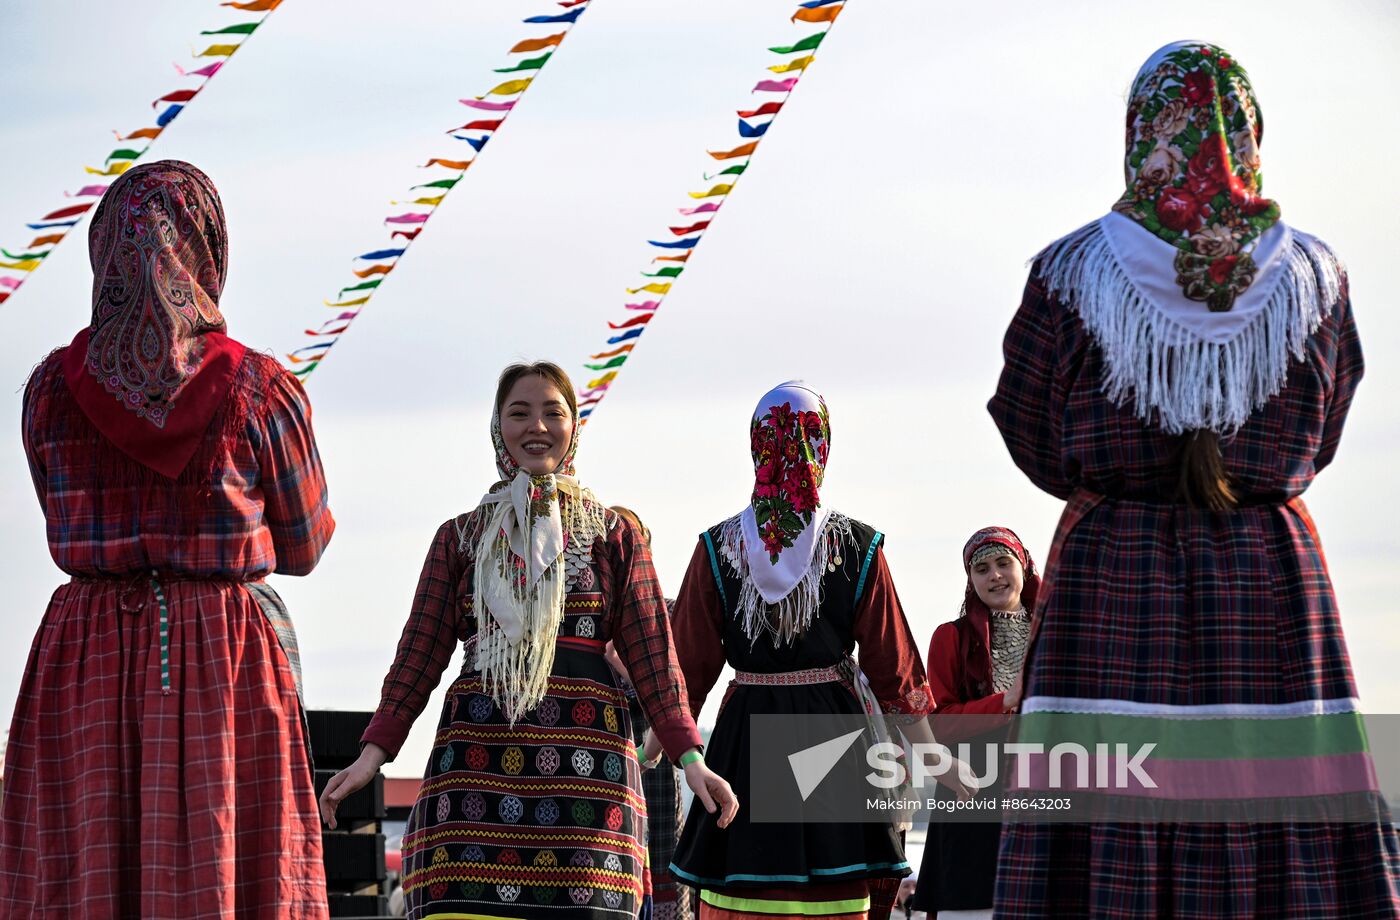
column 876, row 247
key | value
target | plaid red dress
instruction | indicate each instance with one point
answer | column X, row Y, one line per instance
column 1162, row 605
column 157, row 766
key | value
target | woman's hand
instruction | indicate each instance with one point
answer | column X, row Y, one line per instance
column 712, row 790
column 959, row 779
column 1011, row 699
column 350, row 780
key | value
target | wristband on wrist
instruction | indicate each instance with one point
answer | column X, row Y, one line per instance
column 691, row 756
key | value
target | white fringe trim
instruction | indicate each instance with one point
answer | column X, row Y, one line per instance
column 1167, row 373
column 516, row 675
column 793, row 615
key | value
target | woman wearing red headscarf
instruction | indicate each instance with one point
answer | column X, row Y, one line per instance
column 974, row 668
column 157, row 766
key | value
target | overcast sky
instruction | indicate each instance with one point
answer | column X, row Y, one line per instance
column 877, row 247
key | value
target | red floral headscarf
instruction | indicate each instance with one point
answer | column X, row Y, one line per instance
column 1006, row 537
column 790, row 438
column 153, row 366
column 1193, row 170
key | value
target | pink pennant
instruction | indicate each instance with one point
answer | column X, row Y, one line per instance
column 489, row 106
column 11, row 283
column 649, row 305
column 87, row 191
column 775, row 86
column 207, row 71
column 708, row 207
column 406, row 219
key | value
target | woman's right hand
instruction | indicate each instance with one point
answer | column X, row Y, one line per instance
column 351, row 780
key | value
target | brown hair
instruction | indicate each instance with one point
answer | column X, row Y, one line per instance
column 1202, row 481
column 551, row 372
column 635, row 521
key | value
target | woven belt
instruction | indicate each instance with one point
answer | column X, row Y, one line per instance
column 834, row 674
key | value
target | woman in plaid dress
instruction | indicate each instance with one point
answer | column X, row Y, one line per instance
column 531, row 806
column 157, row 766
column 1178, row 372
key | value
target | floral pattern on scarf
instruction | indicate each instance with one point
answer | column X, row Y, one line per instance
column 1193, row 169
column 159, row 248
column 789, row 448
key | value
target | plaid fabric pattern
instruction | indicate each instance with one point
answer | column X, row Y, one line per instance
column 1158, row 603
column 634, row 616
column 260, row 508
column 121, row 799
column 661, row 785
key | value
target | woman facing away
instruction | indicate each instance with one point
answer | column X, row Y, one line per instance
column 783, row 592
column 1179, row 371
column 531, row 805
column 974, row 666
column 157, row 765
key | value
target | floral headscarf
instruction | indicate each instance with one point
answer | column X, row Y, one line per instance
column 528, row 521
column 153, row 367
column 1198, row 295
column 1004, row 537
column 1193, row 168
column 789, row 438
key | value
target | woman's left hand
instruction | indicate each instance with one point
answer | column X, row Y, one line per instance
column 712, row 790
column 1011, row 699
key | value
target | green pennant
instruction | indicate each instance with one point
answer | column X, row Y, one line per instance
column 245, row 28
column 531, row 64
column 671, row 272
column 441, row 183
column 125, row 153
column 615, row 362
column 363, row 285
column 807, row 44
column 26, row 257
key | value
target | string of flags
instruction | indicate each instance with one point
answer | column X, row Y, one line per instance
column 489, row 114
column 771, row 94
column 16, row 267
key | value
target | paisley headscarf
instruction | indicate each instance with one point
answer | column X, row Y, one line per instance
column 526, row 523
column 992, row 539
column 1192, row 167
column 153, row 366
column 1197, row 293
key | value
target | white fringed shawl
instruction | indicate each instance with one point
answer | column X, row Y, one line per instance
column 1179, row 365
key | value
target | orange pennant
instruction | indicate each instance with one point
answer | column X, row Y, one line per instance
column 151, row 133
column 46, row 240
column 615, row 352
column 374, row 270
column 743, row 151
column 256, row 6
column 450, row 164
column 535, row 44
column 820, row 14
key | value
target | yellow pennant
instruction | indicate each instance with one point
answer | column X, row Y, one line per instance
column 26, row 266
column 717, row 190
column 605, row 379
column 509, row 88
column 651, row 289
column 116, row 169
column 795, row 64
column 348, row 303
column 218, row 51
column 432, row 201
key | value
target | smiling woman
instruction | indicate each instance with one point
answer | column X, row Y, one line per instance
column 529, row 806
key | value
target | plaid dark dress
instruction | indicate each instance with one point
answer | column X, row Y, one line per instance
column 1156, row 603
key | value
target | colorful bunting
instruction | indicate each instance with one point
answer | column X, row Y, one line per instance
column 306, row 359
column 122, row 159
column 629, row 330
